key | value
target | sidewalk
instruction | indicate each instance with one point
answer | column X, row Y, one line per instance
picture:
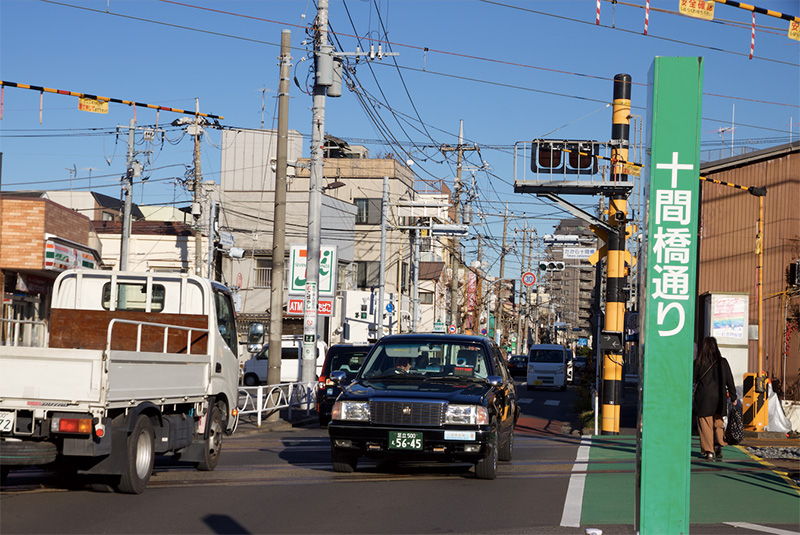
column 740, row 488
column 248, row 423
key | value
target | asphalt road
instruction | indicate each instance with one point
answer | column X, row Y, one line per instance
column 282, row 482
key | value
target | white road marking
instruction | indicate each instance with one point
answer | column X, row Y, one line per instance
column 573, row 503
column 526, row 400
column 553, row 402
column 764, row 529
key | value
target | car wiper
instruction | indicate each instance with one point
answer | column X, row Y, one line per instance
column 451, row 378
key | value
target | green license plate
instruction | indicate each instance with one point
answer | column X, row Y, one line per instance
column 405, row 440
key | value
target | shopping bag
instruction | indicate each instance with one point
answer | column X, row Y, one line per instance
column 735, row 432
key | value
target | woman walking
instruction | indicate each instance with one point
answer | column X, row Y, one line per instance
column 713, row 377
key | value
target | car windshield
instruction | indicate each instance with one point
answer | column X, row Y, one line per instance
column 428, row 359
column 519, row 359
column 547, row 355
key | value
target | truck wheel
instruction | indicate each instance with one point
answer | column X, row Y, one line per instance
column 251, row 379
column 214, row 442
column 343, row 462
column 141, row 456
column 486, row 468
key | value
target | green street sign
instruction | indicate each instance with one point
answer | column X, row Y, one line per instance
column 663, row 469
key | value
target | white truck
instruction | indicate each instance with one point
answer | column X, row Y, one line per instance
column 137, row 364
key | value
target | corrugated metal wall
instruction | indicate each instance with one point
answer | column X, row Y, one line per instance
column 727, row 259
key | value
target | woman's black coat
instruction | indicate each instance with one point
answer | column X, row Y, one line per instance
column 709, row 398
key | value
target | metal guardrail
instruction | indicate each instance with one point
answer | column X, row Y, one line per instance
column 27, row 333
column 265, row 400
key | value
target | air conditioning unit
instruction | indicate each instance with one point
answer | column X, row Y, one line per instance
column 793, row 274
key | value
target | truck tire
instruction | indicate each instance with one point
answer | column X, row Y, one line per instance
column 213, row 445
column 141, row 456
column 251, row 379
column 28, row 453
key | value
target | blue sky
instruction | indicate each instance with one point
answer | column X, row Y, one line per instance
column 512, row 70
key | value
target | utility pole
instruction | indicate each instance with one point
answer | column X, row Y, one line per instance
column 455, row 317
column 382, row 276
column 279, row 225
column 127, row 189
column 197, row 187
column 323, row 55
column 499, row 316
column 327, row 81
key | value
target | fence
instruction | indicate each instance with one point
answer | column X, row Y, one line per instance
column 28, row 333
column 265, row 400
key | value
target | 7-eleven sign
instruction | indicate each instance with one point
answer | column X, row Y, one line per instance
column 327, row 270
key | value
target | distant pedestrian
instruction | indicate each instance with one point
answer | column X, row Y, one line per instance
column 714, row 380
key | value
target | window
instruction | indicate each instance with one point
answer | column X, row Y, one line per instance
column 368, row 275
column 107, row 216
column 368, row 211
column 134, row 297
column 426, row 298
column 262, row 273
column 225, row 320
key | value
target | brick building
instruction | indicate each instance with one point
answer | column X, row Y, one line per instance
column 38, row 240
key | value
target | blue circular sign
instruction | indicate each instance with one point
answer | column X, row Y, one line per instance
column 484, row 331
column 390, row 308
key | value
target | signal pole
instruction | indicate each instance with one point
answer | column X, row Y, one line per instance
column 127, row 188
column 615, row 265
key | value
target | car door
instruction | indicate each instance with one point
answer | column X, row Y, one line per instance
column 507, row 393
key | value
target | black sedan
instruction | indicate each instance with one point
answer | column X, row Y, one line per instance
column 427, row 398
column 518, row 365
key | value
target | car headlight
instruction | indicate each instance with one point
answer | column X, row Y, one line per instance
column 466, row 414
column 351, row 410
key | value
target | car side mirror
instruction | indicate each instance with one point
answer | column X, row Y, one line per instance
column 255, row 338
column 494, row 380
column 338, row 377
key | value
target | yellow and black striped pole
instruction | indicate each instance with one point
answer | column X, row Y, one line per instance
column 6, row 83
column 615, row 262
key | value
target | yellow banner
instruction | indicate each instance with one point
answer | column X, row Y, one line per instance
column 699, row 9
column 91, row 105
column 794, row 30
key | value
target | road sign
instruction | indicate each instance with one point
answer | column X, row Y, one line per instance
column 484, row 331
column 389, row 308
column 438, row 327
column 452, row 329
column 449, row 230
column 528, row 278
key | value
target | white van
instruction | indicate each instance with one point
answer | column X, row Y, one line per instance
column 255, row 369
column 547, row 366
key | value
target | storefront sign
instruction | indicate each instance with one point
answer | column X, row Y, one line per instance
column 62, row 257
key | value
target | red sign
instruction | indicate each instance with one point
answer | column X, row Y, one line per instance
column 295, row 307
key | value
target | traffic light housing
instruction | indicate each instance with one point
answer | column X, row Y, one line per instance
column 551, row 265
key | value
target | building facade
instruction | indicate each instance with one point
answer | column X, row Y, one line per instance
column 727, row 246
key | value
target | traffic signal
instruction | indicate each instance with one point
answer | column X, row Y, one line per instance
column 551, row 265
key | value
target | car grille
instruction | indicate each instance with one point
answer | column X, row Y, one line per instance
column 404, row 412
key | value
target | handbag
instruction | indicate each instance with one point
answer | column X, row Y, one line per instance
column 694, row 385
column 735, row 432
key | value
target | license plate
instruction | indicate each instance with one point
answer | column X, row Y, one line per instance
column 7, row 421
column 405, row 440
column 537, row 382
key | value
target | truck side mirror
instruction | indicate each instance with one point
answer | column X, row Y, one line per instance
column 255, row 338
